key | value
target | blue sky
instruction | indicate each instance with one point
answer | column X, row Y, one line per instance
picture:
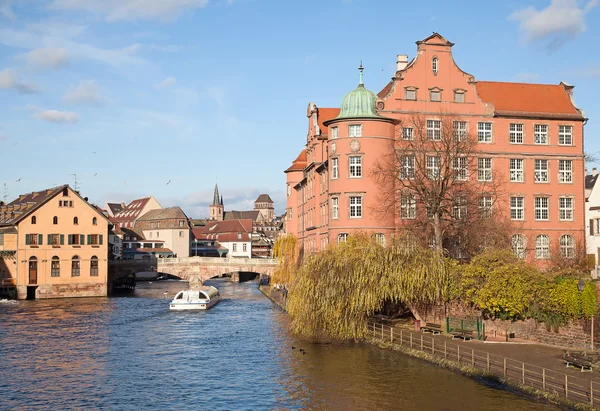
column 133, row 94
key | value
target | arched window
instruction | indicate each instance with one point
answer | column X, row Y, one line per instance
column 94, row 266
column 75, row 221
column 380, row 238
column 75, row 266
column 55, row 220
column 55, row 267
column 518, row 245
column 434, row 65
column 33, row 220
column 542, row 247
column 342, row 238
column 567, row 246
column 94, row 221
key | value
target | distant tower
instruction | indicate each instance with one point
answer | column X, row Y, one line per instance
column 216, row 208
column 264, row 205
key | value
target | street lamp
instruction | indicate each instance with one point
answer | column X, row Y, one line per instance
column 581, row 287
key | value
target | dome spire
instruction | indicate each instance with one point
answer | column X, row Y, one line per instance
column 360, row 69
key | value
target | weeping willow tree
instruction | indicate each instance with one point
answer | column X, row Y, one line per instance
column 337, row 290
column 285, row 250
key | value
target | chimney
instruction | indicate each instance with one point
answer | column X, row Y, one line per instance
column 402, row 62
column 594, row 171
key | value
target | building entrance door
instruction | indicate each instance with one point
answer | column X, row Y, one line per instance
column 33, row 270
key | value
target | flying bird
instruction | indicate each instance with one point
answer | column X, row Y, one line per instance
column 94, row 152
column 95, row 174
column 18, row 180
column 168, row 183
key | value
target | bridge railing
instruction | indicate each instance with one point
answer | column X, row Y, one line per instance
column 219, row 260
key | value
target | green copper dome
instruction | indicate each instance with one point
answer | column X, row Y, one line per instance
column 360, row 102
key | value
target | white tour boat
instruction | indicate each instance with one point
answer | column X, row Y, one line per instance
column 200, row 298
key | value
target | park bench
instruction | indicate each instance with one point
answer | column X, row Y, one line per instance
column 432, row 328
column 580, row 359
column 463, row 334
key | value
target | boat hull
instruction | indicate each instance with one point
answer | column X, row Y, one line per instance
column 192, row 305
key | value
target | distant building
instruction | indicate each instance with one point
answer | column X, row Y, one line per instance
column 114, row 208
column 169, row 225
column 53, row 244
column 216, row 209
column 263, row 209
column 592, row 216
column 232, row 238
column 264, row 205
column 126, row 217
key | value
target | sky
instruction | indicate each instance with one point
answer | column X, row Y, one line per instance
column 169, row 97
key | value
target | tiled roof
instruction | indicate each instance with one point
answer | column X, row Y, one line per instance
column 525, row 98
column 164, row 214
column 264, row 198
column 325, row 114
column 225, row 230
column 130, row 232
column 129, row 214
column 19, row 208
column 148, row 250
column 386, row 90
column 241, row 215
column 299, row 163
column 115, row 207
column 590, row 181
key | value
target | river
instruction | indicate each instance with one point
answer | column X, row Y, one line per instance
column 132, row 353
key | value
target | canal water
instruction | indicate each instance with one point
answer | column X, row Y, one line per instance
column 132, row 353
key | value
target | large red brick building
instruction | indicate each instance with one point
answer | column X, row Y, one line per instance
column 530, row 134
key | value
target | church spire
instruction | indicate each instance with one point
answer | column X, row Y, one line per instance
column 216, row 199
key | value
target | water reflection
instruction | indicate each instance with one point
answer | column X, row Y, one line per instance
column 132, row 353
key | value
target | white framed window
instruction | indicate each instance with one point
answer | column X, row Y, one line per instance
column 380, row 239
column 484, row 132
column 407, row 169
column 459, row 130
column 234, row 247
column 434, row 65
column 459, row 97
column 355, row 164
column 517, row 208
column 519, row 245
column 433, row 166
column 541, row 171
column 565, row 171
column 334, row 168
column 459, row 207
column 290, row 213
column 342, row 238
column 540, row 134
column 435, row 95
column 355, row 207
column 597, row 226
column 485, row 206
column 565, row 135
column 517, row 170
column 335, row 208
column 355, row 130
column 244, row 247
column 515, row 134
column 542, row 247
column 565, row 209
column 484, row 169
column 567, row 246
column 434, row 130
column 407, row 133
column 541, row 208
column 410, row 94
column 334, row 132
column 408, row 207
column 460, row 168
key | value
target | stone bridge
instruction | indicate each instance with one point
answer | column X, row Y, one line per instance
column 185, row 268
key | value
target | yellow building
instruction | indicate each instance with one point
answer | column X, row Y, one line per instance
column 53, row 244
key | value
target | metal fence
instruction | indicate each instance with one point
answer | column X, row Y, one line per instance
column 528, row 375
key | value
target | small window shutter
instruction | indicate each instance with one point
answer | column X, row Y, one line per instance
column 89, row 239
column 49, row 239
column 591, row 227
column 40, row 239
column 27, row 240
column 70, row 239
column 100, row 239
column 81, row 239
column 62, row 239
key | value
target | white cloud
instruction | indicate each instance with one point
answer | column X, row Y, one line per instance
column 6, row 10
column 46, row 58
column 562, row 20
column 168, row 82
column 115, row 10
column 9, row 79
column 85, row 92
column 54, row 116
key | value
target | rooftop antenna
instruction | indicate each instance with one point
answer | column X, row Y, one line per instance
column 75, row 185
column 5, row 193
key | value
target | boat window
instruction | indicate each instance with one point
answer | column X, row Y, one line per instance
column 179, row 296
column 204, row 296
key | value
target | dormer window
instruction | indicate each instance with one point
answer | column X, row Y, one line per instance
column 434, row 65
column 33, row 219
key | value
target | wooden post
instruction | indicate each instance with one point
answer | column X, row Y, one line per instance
column 544, row 379
column 392, row 334
column 566, row 386
column 421, row 341
column 592, row 393
column 410, row 340
column 472, row 357
column 445, row 351
column 382, row 331
column 401, row 336
column 458, row 353
column 488, row 363
column 432, row 346
column 523, row 371
column 504, row 367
